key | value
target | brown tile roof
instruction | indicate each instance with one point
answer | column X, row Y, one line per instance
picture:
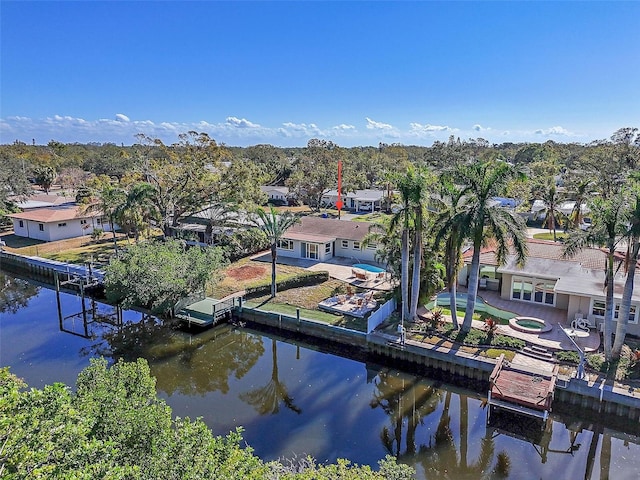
column 323, row 228
column 592, row 258
column 53, row 214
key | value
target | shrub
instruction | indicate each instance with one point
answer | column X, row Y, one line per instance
column 596, row 361
column 496, row 352
column 490, row 326
column 436, row 319
column 303, row 279
column 569, row 357
column 510, row 342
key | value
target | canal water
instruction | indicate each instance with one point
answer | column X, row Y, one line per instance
column 294, row 400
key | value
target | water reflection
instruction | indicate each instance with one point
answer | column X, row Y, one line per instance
column 183, row 362
column 317, row 402
column 14, row 293
column 402, row 397
column 267, row 399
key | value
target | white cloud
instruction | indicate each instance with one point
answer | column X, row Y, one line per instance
column 373, row 125
column 242, row 132
column 344, row 127
column 241, row 123
column 291, row 129
column 554, row 131
column 417, row 127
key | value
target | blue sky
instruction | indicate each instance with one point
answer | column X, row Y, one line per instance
column 357, row 73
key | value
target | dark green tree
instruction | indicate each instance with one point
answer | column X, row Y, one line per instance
column 155, row 275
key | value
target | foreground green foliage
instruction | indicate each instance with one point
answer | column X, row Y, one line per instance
column 481, row 337
column 156, row 275
column 115, row 427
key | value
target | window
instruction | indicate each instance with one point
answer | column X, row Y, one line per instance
column 21, row 224
column 83, row 222
column 285, row 244
column 62, row 224
column 345, row 243
column 99, row 221
column 598, row 308
column 372, row 246
column 356, row 245
column 533, row 290
column 327, row 248
column 41, row 227
column 632, row 313
column 312, row 251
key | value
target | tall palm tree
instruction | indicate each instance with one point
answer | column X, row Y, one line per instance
column 449, row 228
column 607, row 229
column 631, row 261
column 217, row 215
column 110, row 199
column 138, row 208
column 580, row 195
column 418, row 198
column 552, row 211
column 484, row 220
column 403, row 218
column 274, row 225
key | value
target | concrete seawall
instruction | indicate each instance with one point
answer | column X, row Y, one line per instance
column 598, row 398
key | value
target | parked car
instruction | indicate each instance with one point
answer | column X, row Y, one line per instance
column 585, row 224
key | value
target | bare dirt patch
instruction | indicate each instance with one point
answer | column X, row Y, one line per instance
column 246, row 272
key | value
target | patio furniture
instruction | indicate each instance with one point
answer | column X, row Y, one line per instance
column 483, row 283
column 580, row 323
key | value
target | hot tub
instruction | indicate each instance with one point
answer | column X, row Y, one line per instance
column 529, row 325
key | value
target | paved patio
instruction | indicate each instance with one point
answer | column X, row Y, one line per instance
column 339, row 268
column 555, row 339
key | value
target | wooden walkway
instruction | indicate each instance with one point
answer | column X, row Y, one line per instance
column 522, row 390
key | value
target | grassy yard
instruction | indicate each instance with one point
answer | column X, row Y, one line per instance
column 92, row 252
column 560, row 236
column 276, row 305
column 249, row 273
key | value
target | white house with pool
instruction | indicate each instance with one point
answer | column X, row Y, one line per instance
column 574, row 285
column 321, row 239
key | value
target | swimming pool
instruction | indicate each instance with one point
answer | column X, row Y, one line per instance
column 442, row 300
column 369, row 268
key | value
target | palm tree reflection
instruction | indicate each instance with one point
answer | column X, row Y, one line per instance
column 267, row 399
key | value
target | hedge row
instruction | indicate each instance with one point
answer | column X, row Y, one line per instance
column 303, row 279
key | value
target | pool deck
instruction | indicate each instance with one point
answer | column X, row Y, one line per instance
column 340, row 268
column 555, row 339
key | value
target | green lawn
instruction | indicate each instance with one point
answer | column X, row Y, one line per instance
column 269, row 305
column 560, row 236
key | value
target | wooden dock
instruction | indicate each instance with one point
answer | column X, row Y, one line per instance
column 207, row 311
column 523, row 390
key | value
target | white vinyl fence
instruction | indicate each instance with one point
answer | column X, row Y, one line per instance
column 380, row 315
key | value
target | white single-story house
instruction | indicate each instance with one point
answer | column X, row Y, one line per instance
column 57, row 223
column 320, row 239
column 359, row 201
column 275, row 192
column 575, row 285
